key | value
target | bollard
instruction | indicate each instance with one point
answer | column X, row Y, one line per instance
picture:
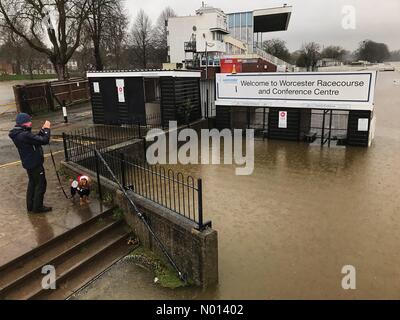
column 64, row 108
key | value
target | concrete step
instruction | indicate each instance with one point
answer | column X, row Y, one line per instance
column 35, row 258
column 88, row 270
column 97, row 243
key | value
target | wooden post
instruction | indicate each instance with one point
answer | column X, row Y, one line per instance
column 17, row 96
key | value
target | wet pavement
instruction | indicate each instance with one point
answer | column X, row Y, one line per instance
column 20, row 232
column 286, row 231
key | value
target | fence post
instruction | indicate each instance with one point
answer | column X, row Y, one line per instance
column 64, row 136
column 49, row 96
column 140, row 130
column 18, row 98
column 323, row 129
column 123, row 171
column 64, row 109
column 144, row 149
column 98, row 176
column 200, row 203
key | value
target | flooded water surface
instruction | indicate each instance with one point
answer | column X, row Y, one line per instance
column 286, row 231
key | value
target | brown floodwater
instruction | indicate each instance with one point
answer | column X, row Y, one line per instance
column 286, row 231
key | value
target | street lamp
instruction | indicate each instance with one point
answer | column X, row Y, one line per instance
column 207, row 45
column 207, row 93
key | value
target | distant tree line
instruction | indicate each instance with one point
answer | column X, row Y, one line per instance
column 310, row 53
column 37, row 33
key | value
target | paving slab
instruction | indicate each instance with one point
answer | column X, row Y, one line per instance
column 19, row 231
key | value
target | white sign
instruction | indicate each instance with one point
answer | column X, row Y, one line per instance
column 281, row 68
column 96, row 87
column 282, row 120
column 121, row 89
column 333, row 90
column 363, row 124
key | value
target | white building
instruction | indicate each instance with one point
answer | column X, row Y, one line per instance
column 213, row 33
column 188, row 36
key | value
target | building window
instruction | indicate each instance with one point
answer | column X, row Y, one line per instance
column 249, row 19
column 218, row 36
column 237, row 20
column 231, row 19
column 243, row 22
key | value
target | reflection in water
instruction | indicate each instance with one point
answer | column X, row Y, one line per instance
column 43, row 229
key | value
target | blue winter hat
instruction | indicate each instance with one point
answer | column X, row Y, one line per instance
column 23, row 118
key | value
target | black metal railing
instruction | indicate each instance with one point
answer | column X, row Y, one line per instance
column 78, row 145
column 153, row 121
column 100, row 159
column 172, row 190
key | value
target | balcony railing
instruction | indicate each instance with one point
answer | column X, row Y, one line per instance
column 190, row 46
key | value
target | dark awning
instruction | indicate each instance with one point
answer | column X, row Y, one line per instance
column 219, row 30
column 269, row 20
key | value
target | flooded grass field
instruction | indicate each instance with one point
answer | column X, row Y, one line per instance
column 286, row 231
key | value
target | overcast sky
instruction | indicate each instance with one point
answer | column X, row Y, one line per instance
column 312, row 20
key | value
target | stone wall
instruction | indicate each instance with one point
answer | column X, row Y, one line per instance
column 195, row 252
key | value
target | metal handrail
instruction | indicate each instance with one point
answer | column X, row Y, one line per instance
column 270, row 58
column 182, row 276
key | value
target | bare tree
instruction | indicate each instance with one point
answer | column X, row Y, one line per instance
column 15, row 51
column 309, row 56
column 11, row 50
column 142, row 38
column 277, row 48
column 106, row 20
column 160, row 34
column 372, row 51
column 334, row 52
column 395, row 55
column 115, row 38
column 52, row 27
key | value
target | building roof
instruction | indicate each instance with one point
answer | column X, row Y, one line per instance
column 273, row 19
column 144, row 73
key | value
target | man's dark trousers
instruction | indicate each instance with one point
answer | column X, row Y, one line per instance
column 36, row 189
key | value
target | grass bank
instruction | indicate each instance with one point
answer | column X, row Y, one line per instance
column 165, row 276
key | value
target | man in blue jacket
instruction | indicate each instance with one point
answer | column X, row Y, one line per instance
column 30, row 150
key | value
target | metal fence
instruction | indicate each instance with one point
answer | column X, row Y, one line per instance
column 207, row 95
column 77, row 145
column 172, row 190
column 47, row 96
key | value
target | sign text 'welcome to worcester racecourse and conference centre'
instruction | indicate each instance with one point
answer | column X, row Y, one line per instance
column 344, row 90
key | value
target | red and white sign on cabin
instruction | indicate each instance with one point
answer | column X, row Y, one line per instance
column 121, row 89
column 282, row 120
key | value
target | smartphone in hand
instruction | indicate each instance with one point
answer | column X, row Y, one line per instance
column 46, row 125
